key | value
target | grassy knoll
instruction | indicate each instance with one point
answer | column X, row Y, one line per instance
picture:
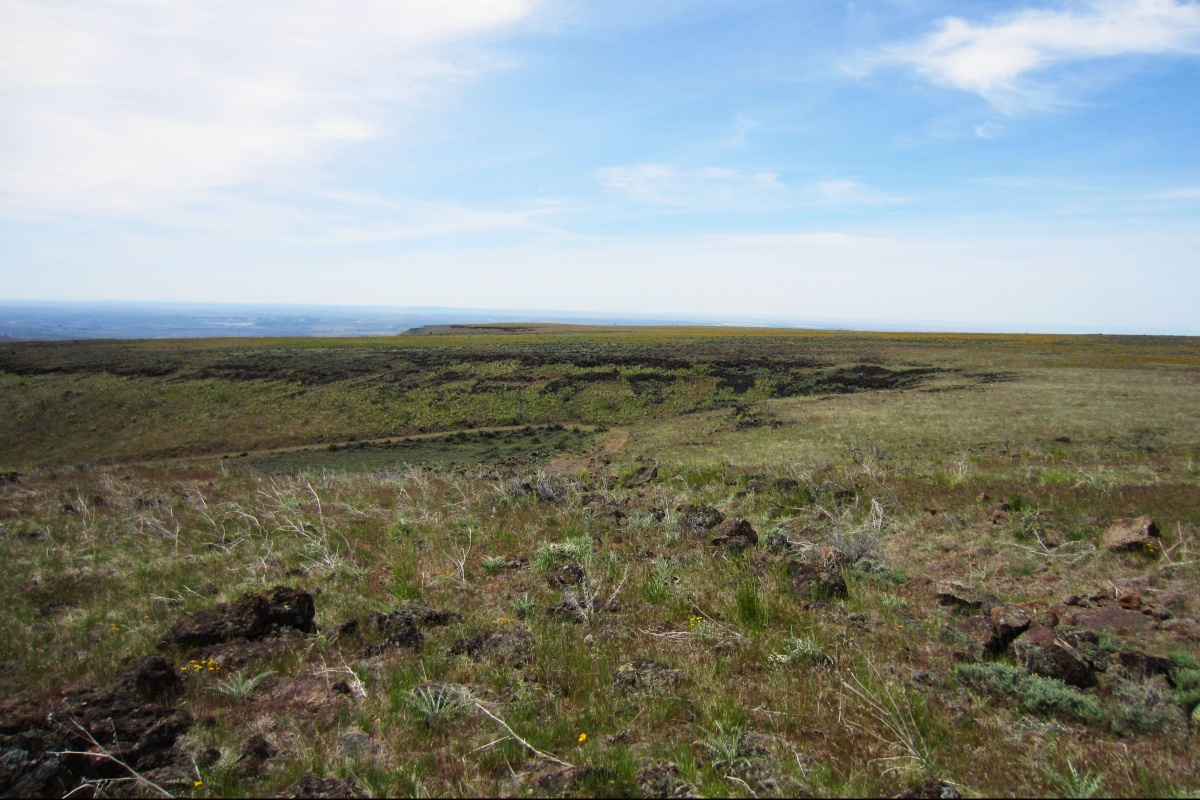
column 544, row 612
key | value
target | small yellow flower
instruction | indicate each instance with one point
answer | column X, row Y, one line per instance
column 582, row 738
column 198, row 783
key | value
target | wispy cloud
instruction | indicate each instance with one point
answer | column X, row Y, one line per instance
column 722, row 187
column 117, row 106
column 996, row 59
column 709, row 186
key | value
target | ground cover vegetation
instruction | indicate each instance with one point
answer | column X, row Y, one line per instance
column 659, row 563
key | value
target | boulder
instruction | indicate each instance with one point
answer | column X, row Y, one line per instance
column 252, row 616
column 1124, row 535
column 952, row 593
column 1010, row 622
column 735, row 535
column 1043, row 653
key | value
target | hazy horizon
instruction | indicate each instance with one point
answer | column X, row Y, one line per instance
column 60, row 320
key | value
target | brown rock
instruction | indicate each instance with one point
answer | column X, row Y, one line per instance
column 1043, row 653
column 1184, row 629
column 1123, row 535
column 1130, row 601
column 1107, row 618
column 982, row 630
column 817, row 580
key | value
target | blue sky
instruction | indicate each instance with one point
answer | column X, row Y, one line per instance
column 1025, row 165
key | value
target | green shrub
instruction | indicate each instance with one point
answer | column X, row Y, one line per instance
column 1146, row 707
column 1032, row 692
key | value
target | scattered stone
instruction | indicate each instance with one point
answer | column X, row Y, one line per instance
column 504, row 646
column 952, row 593
column 35, row 738
column 252, row 616
column 253, row 755
column 559, row 781
column 663, row 780
column 1043, row 653
column 1123, row 535
column 566, row 575
column 310, row 786
column 152, row 679
column 1010, row 622
column 817, row 580
column 643, row 673
column 933, row 789
column 589, row 640
column 10, row 477
column 641, row 477
column 698, row 520
column 735, row 535
column 357, row 744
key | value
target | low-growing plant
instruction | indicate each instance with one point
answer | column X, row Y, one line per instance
column 805, row 651
column 241, row 688
column 1145, row 707
column 493, row 565
column 522, row 606
column 438, row 705
column 554, row 554
column 1074, row 784
column 1032, row 692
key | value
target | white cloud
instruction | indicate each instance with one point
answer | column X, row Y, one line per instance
column 1177, row 194
column 994, row 59
column 124, row 105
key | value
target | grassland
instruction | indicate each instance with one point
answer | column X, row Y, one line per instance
column 621, row 651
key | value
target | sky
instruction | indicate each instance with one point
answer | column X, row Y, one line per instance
column 1008, row 165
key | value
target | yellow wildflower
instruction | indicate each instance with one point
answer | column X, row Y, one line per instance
column 582, row 738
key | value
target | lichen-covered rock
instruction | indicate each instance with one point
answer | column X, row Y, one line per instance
column 697, row 520
column 1124, row 535
column 952, row 593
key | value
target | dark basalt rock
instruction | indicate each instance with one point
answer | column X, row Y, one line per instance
column 250, row 617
